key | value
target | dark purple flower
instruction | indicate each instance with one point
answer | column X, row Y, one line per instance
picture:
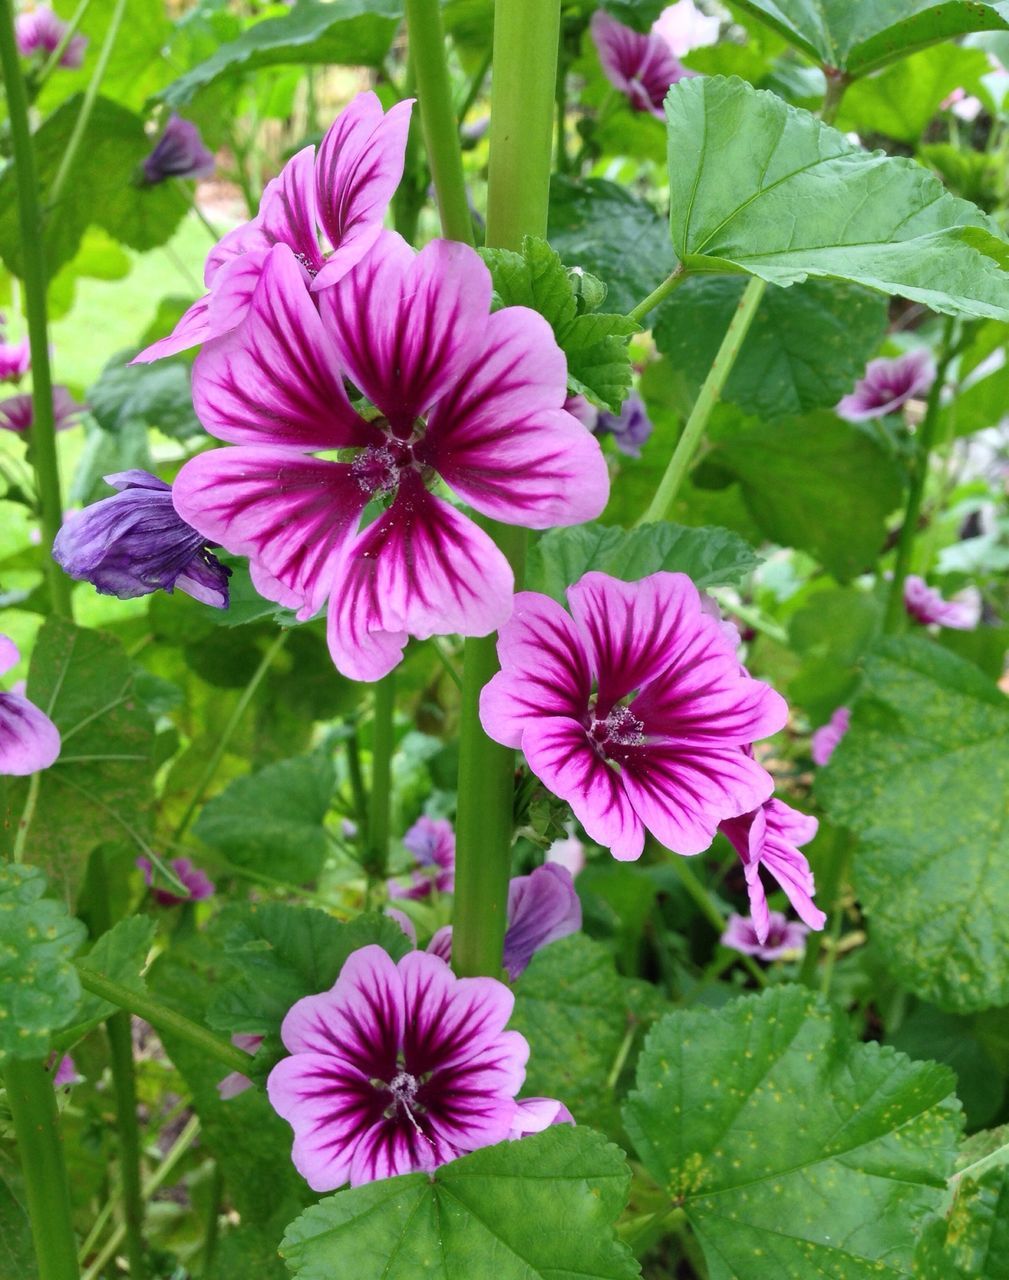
column 198, row 883
column 29, row 741
column 17, row 413
column 770, row 837
column 136, row 542
column 886, row 385
column 15, row 360
column 784, row 937
column 398, row 1068
column 234, row 1082
column 641, row 66
column 179, row 153
column 432, row 843
column 825, row 739
column 927, row 606
column 40, row 29
column 630, row 428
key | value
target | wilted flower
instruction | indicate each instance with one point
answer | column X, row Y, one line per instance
column 29, row 741
column 770, row 837
column 927, row 606
column 630, row 428
column 432, row 843
column 235, row 1082
column 471, row 397
column 641, row 66
column 825, row 739
column 179, row 153
column 636, row 710
column 40, row 29
column 398, row 1068
column 684, row 27
column 135, row 542
column 784, row 937
column 17, row 413
column 345, row 190
column 197, row 882
column 886, row 385
column 15, row 360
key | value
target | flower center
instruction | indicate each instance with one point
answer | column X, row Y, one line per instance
column 621, row 728
column 308, row 264
column 378, row 467
column 403, row 1087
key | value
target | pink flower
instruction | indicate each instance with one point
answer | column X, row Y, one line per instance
column 641, row 66
column 17, row 413
column 15, row 360
column 40, row 29
column 66, row 1072
column 198, row 883
column 887, row 385
column 636, row 711
column 784, row 937
column 235, row 1082
column 344, row 192
column 684, row 27
column 927, row 606
column 432, row 842
column 533, row 1115
column 963, row 105
column 463, row 395
column 770, row 837
column 398, row 1068
column 825, row 739
column 29, row 741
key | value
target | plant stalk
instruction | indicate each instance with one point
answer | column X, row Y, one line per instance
column 671, row 283
column 837, row 87
column 380, row 797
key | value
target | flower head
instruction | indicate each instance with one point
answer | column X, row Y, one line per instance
column 824, row 741
column 29, row 741
column 630, row 428
column 635, row 710
column 432, row 842
column 17, row 413
column 398, row 1068
column 784, row 937
column 641, row 66
column 179, row 153
column 15, row 360
column 684, row 27
column 927, row 606
column 461, row 394
column 887, row 385
column 326, row 210
column 198, row 883
column 542, row 907
column 135, row 542
column 41, row 30
column 770, row 837
column 235, row 1082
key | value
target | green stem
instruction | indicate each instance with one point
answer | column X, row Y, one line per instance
column 379, row 801
column 43, row 433
column 441, row 129
column 561, row 98
column 837, row 86
column 683, row 455
column 711, row 913
column 32, row 1102
column 164, row 1019
column 212, row 1229
column 53, row 61
column 241, row 706
column 671, row 283
column 412, row 190
column 895, row 613
column 88, row 104
column 357, row 779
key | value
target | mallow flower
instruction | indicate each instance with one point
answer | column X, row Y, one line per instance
column 399, row 1067
column 641, row 66
column 460, row 395
column 630, row 428
column 17, row 413
column 15, row 360
column 887, row 385
column 197, row 883
column 432, row 843
column 784, row 937
column 29, row 741
column 40, row 30
column 824, row 741
column 926, row 605
column 180, row 152
column 135, row 542
column 634, row 709
column 684, row 27
column 327, row 210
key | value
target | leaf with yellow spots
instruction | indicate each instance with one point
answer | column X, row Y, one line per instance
column 970, row 1240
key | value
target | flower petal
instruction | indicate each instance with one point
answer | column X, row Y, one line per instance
column 9, row 654
column 193, row 327
column 29, row 741
column 542, row 907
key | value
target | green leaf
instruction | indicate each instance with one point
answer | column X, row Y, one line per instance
column 859, row 37
column 602, row 228
column 928, row 1033
column 711, row 557
column 970, row 1241
column 932, row 875
column 816, row 483
column 829, row 634
column 793, row 1150
column 273, row 820
column 742, row 162
column 104, row 454
column 902, row 100
column 595, row 344
column 101, row 187
column 538, row 1209
column 39, row 988
column 17, row 1253
column 100, row 787
column 147, row 395
column 804, row 350
column 120, row 955
column 348, row 32
column 570, row 1006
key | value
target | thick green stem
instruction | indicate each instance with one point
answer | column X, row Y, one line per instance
column 379, row 799
column 164, row 1019
column 683, row 455
column 32, row 1103
column 837, row 86
column 43, row 432
column 437, row 114
column 671, row 283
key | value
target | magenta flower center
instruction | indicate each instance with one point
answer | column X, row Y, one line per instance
column 621, row 728
column 404, row 1088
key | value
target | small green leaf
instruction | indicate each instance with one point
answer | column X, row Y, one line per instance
column 742, row 162
column 538, row 1209
column 711, row 557
column 39, row 988
column 120, row 955
column 932, row 874
column 149, row 395
column 17, row 1254
column 793, row 1150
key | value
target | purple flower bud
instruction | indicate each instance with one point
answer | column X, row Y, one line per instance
column 40, row 29
column 542, row 907
column 15, row 360
column 630, row 428
column 179, row 153
column 29, row 741
column 66, row 1072
column 432, row 843
column 784, row 937
column 198, row 883
column 825, row 739
column 887, row 385
column 927, row 606
column 580, row 408
column 17, row 413
column 135, row 542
